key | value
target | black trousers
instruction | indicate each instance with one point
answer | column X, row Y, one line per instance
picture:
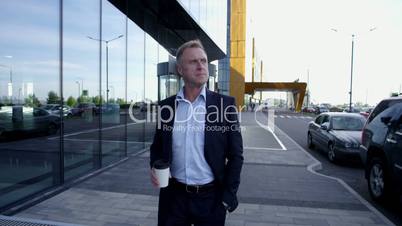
column 177, row 207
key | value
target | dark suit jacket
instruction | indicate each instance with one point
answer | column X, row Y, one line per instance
column 223, row 142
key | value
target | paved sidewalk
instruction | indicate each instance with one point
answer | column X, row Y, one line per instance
column 277, row 187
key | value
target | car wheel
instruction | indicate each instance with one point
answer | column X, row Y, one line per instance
column 310, row 141
column 377, row 180
column 331, row 153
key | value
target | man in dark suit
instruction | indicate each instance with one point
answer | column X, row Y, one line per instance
column 198, row 134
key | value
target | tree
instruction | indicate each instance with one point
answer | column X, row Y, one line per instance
column 6, row 101
column 32, row 101
column 120, row 101
column 53, row 98
column 84, row 99
column 98, row 100
column 71, row 101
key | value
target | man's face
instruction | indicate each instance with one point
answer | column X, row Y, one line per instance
column 193, row 66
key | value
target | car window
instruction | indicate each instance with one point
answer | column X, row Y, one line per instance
column 39, row 112
column 347, row 123
column 318, row 120
column 381, row 107
column 325, row 119
column 48, row 107
column 396, row 119
column 388, row 112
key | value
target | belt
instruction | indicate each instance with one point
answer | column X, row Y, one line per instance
column 194, row 189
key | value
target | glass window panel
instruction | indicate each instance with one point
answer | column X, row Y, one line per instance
column 113, row 83
column 185, row 4
column 216, row 18
column 195, row 9
column 151, row 82
column 135, row 88
column 203, row 13
column 81, row 86
column 29, row 79
column 169, row 85
column 151, row 62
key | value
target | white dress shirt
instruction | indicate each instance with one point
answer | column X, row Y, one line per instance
column 188, row 163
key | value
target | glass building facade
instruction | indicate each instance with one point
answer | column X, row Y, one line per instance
column 69, row 72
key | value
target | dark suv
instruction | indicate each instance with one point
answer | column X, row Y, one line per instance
column 381, row 150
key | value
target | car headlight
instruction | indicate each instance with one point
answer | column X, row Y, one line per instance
column 348, row 145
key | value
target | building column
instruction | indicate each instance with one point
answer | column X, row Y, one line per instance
column 237, row 50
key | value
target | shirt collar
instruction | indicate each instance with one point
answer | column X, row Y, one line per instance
column 180, row 94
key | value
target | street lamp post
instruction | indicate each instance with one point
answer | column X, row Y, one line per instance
column 19, row 95
column 107, row 61
column 82, row 83
column 10, row 84
column 351, row 67
column 112, row 91
column 308, row 88
column 11, row 71
column 351, row 75
column 78, row 84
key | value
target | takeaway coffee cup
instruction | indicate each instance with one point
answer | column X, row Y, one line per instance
column 162, row 170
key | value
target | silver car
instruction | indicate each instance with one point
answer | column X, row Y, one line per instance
column 337, row 134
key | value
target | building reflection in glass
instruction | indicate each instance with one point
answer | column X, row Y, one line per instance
column 58, row 121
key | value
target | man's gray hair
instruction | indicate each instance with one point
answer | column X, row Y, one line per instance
column 190, row 44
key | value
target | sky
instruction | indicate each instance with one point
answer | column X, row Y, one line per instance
column 294, row 38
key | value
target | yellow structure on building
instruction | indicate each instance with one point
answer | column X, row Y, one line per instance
column 237, row 50
column 238, row 87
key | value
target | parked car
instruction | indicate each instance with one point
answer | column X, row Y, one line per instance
column 147, row 106
column 353, row 110
column 366, row 112
column 110, row 108
column 335, row 109
column 336, row 133
column 308, row 109
column 82, row 108
column 321, row 109
column 381, row 150
column 26, row 120
column 265, row 106
column 56, row 108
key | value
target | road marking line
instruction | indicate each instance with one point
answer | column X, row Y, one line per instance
column 261, row 148
column 277, row 139
column 267, row 127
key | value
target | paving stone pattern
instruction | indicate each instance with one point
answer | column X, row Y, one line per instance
column 276, row 189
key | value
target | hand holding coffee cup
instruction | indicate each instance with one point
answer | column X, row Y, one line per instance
column 161, row 172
